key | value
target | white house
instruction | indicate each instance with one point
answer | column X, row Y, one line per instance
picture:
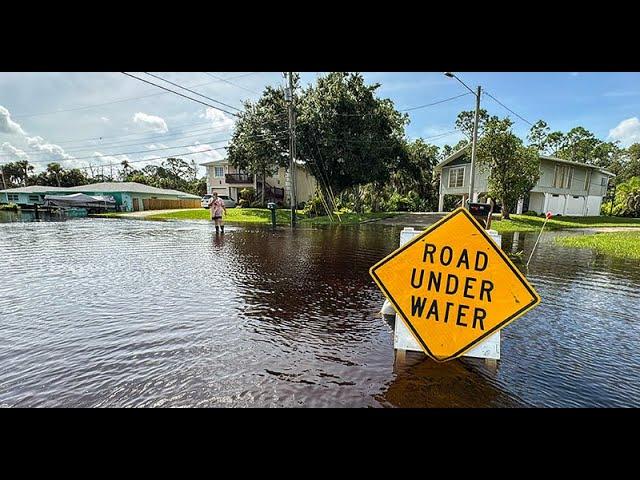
column 564, row 187
column 225, row 179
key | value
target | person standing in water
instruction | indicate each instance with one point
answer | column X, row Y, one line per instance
column 217, row 208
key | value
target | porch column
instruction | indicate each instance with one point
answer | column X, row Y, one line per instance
column 520, row 206
column 546, row 203
column 475, row 197
column 441, row 202
column 564, row 207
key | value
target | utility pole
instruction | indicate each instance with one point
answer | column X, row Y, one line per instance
column 474, row 143
column 292, row 148
column 4, row 184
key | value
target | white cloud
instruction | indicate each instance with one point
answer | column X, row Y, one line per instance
column 627, row 131
column 105, row 119
column 157, row 124
column 55, row 152
column 574, row 74
column 14, row 153
column 218, row 119
column 7, row 125
column 206, row 156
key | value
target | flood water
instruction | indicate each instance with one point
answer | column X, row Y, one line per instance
column 106, row 312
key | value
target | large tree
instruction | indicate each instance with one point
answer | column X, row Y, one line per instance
column 260, row 141
column 414, row 175
column 513, row 168
column 346, row 134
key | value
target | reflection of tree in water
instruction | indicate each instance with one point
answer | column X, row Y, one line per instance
column 312, row 285
column 422, row 382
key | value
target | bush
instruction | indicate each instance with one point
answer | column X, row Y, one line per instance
column 531, row 213
column 9, row 206
column 314, row 207
column 248, row 194
column 242, row 203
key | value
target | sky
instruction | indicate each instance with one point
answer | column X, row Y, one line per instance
column 81, row 119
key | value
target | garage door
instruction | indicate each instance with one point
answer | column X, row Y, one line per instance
column 575, row 205
column 556, row 204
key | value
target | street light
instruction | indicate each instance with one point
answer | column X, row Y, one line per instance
column 475, row 133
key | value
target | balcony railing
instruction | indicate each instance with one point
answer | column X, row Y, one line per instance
column 238, row 178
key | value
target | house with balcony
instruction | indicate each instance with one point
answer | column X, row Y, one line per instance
column 225, row 179
column 564, row 187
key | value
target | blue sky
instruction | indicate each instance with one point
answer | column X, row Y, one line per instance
column 32, row 126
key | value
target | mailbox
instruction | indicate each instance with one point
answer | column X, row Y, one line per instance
column 271, row 206
column 482, row 212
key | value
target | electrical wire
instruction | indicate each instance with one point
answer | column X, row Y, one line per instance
column 520, row 117
column 180, row 94
column 230, row 83
column 121, row 100
column 192, row 91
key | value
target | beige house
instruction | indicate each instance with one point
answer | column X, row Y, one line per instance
column 564, row 187
column 225, row 179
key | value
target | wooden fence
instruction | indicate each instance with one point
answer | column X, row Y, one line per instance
column 162, row 204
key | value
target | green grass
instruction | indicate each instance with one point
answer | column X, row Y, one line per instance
column 524, row 223
column 347, row 218
column 261, row 216
column 617, row 244
column 233, row 215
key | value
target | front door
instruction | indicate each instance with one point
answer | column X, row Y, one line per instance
column 136, row 206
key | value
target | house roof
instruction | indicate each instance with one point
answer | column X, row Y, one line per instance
column 35, row 189
column 458, row 154
column 106, row 187
column 220, row 161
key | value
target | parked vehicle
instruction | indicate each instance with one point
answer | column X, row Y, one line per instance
column 205, row 201
column 227, row 200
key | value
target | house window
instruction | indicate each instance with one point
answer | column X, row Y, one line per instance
column 34, row 198
column 12, row 197
column 603, row 181
column 456, row 177
column 563, row 176
column 218, row 172
column 587, row 180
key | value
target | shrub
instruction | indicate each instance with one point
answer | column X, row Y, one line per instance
column 314, row 207
column 248, row 194
column 531, row 213
column 242, row 203
column 9, row 206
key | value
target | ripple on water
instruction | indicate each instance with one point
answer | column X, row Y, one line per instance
column 128, row 313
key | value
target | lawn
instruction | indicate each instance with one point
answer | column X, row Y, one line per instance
column 263, row 216
column 617, row 244
column 348, row 218
column 233, row 215
column 525, row 223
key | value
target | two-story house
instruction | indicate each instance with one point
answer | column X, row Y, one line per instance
column 564, row 187
column 225, row 179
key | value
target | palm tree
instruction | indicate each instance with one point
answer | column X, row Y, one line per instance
column 26, row 168
column 55, row 169
column 125, row 169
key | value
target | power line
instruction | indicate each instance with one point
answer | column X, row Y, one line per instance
column 119, row 100
column 192, row 91
column 178, row 93
column 521, row 118
column 434, row 103
column 260, row 138
column 230, row 83
column 195, row 133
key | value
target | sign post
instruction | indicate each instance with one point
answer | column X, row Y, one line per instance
column 453, row 287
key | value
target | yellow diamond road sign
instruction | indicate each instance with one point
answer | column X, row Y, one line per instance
column 453, row 286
